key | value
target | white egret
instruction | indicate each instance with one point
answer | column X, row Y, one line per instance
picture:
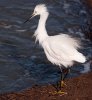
column 62, row 49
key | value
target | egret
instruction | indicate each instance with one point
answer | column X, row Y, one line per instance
column 62, row 49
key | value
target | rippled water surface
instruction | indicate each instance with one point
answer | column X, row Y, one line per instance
column 22, row 62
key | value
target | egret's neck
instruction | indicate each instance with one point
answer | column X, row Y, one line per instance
column 41, row 33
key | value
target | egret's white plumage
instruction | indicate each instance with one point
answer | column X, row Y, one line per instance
column 60, row 49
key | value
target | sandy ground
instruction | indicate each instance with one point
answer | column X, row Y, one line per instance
column 79, row 88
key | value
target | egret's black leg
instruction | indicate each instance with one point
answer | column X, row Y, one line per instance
column 64, row 74
column 61, row 83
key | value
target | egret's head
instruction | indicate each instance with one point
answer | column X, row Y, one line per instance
column 39, row 10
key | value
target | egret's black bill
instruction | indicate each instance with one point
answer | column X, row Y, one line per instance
column 27, row 20
column 30, row 18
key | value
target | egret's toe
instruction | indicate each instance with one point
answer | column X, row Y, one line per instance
column 58, row 93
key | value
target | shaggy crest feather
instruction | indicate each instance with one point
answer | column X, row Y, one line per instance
column 41, row 8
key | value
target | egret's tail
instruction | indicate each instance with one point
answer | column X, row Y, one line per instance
column 80, row 58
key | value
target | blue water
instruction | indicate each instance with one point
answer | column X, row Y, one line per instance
column 22, row 62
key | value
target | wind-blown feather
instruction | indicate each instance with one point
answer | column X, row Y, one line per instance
column 62, row 50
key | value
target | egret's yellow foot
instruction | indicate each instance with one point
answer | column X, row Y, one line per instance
column 63, row 84
column 58, row 92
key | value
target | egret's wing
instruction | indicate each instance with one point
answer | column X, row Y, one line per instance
column 63, row 47
column 66, row 40
column 62, row 50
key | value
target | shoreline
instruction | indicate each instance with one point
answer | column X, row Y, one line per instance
column 79, row 88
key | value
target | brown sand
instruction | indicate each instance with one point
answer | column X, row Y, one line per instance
column 79, row 88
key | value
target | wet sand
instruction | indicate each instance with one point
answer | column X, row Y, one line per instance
column 79, row 88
